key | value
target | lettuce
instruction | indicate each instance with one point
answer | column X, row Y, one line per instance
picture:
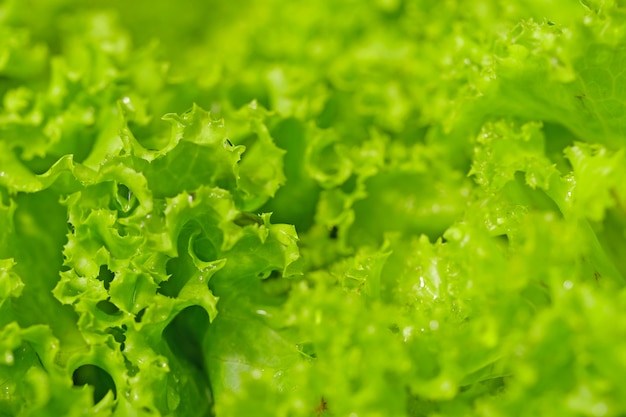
column 399, row 208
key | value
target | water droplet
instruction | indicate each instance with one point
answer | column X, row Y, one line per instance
column 568, row 285
column 407, row 332
column 5, row 392
column 434, row 325
column 262, row 312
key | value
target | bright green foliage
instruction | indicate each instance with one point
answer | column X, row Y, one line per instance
column 330, row 208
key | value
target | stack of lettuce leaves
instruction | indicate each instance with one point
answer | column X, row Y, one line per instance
column 332, row 208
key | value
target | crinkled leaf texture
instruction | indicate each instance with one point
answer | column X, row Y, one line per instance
column 135, row 269
column 339, row 208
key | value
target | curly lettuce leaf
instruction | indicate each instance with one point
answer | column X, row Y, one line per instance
column 454, row 173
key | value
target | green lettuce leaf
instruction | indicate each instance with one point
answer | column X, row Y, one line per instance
column 399, row 208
